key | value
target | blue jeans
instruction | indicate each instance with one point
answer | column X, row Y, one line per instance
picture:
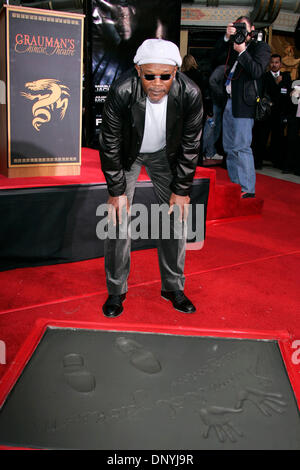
column 237, row 138
column 212, row 133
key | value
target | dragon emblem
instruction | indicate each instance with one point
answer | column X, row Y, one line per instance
column 49, row 94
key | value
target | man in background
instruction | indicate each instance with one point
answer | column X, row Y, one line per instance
column 278, row 86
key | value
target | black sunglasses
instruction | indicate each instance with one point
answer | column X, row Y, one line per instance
column 163, row 76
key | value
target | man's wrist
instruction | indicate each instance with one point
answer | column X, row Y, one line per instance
column 115, row 193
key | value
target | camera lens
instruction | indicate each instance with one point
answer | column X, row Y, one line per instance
column 239, row 37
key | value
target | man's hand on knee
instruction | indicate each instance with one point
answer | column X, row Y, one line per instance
column 182, row 202
column 116, row 206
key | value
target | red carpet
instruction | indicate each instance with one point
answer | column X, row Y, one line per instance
column 244, row 283
column 90, row 173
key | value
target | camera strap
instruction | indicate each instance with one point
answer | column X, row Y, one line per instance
column 256, row 91
column 229, row 77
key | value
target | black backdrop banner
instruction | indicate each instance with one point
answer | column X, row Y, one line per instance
column 116, row 28
column 44, row 84
column 53, row 225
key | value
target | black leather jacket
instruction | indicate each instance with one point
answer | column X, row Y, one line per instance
column 122, row 131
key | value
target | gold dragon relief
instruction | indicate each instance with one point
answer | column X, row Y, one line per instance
column 49, row 94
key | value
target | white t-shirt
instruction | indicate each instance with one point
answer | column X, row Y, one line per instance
column 154, row 138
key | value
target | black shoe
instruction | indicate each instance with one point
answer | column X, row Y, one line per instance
column 179, row 300
column 245, row 195
column 286, row 171
column 113, row 306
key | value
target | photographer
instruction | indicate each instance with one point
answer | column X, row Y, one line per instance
column 247, row 59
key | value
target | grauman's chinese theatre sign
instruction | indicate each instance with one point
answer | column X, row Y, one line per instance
column 44, row 89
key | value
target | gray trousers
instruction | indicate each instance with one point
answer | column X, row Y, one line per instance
column 171, row 252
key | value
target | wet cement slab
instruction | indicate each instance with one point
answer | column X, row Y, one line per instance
column 88, row 389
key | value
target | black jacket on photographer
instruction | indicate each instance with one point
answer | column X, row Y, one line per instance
column 123, row 124
column 251, row 66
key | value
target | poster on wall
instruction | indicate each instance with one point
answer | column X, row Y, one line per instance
column 116, row 30
column 44, row 57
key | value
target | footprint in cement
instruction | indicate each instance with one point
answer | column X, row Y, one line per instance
column 76, row 374
column 139, row 357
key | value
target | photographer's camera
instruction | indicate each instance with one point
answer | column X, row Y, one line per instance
column 241, row 33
